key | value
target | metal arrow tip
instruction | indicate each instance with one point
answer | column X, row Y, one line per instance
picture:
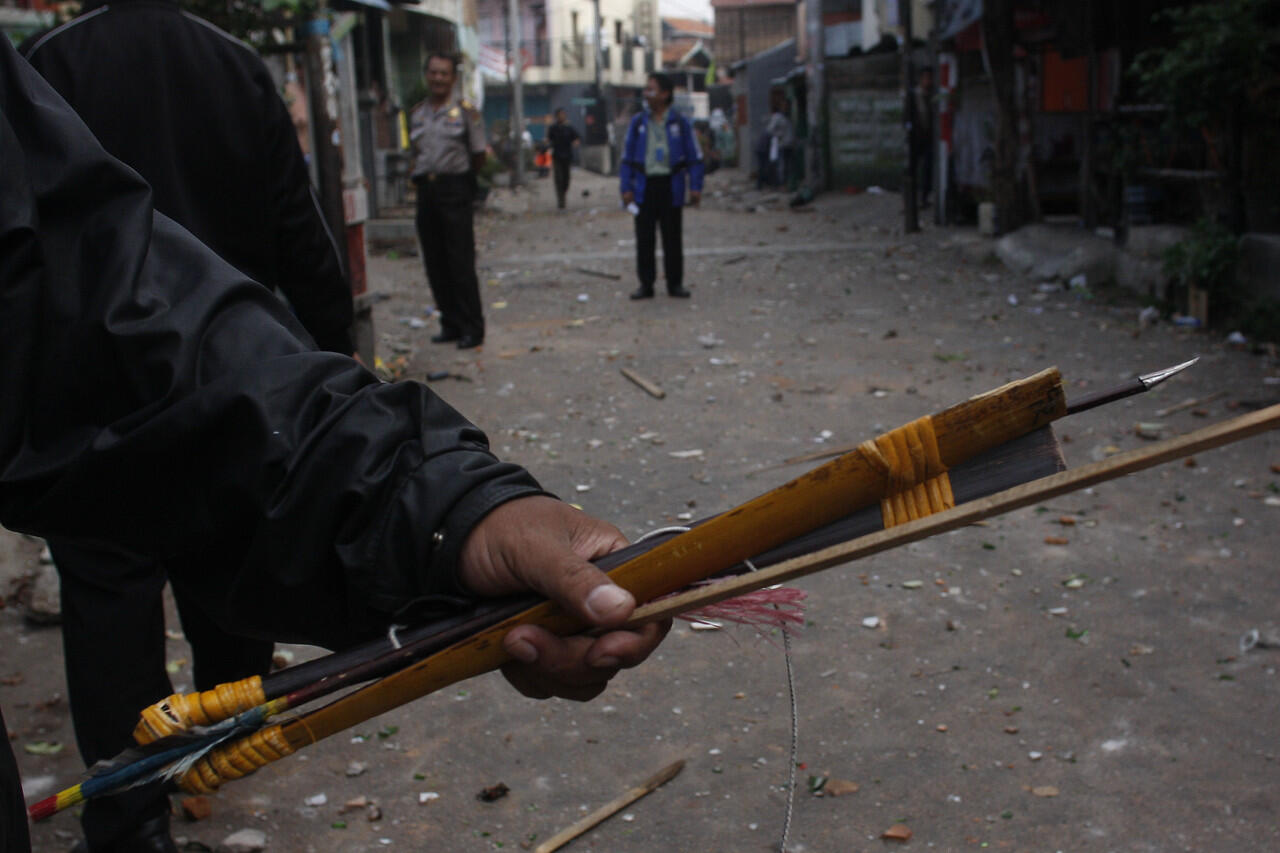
column 1150, row 380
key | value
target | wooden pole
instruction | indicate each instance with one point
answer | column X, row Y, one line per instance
column 911, row 218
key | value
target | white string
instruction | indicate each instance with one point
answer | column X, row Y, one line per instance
column 675, row 528
column 391, row 635
column 795, row 727
column 791, row 690
column 795, row 738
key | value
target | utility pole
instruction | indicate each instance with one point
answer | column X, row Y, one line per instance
column 515, row 66
column 596, row 24
column 999, row 38
column 815, row 72
column 937, row 163
column 324, row 128
column 1088, row 211
column 911, row 221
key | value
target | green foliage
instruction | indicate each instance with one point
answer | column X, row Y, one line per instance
column 1259, row 319
column 252, row 20
column 1222, row 52
column 1206, row 258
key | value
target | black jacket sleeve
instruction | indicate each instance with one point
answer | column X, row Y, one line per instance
column 156, row 399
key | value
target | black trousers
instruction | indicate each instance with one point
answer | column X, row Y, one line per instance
column 560, row 173
column 922, row 166
column 14, row 836
column 446, row 233
column 114, row 651
column 658, row 213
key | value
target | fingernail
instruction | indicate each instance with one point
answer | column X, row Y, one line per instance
column 523, row 651
column 605, row 599
column 607, row 663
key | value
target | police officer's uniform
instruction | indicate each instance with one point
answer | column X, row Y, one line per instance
column 444, row 141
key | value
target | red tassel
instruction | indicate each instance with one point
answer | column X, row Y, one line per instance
column 775, row 607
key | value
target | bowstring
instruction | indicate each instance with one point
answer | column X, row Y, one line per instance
column 791, row 692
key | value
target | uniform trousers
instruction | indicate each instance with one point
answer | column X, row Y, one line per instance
column 657, row 212
column 560, row 172
column 114, row 648
column 13, row 818
column 446, row 232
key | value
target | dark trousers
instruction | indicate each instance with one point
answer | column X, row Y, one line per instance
column 114, row 650
column 447, row 236
column 657, row 212
column 14, row 836
column 560, row 173
column 922, row 166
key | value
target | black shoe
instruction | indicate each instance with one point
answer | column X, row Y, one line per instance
column 445, row 338
column 151, row 836
column 469, row 342
column 642, row 293
column 679, row 293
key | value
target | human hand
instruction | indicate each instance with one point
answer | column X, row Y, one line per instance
column 544, row 545
column 628, row 197
column 695, row 196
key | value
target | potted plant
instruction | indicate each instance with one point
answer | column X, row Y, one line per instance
column 1202, row 269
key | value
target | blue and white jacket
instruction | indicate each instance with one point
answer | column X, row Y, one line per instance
column 685, row 156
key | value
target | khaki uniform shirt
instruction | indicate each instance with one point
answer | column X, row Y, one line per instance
column 444, row 139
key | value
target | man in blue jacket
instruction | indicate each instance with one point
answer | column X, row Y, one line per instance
column 659, row 158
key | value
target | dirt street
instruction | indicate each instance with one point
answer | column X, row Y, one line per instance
column 1066, row 677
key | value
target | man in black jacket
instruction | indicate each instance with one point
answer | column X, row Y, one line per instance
column 158, row 400
column 563, row 138
column 197, row 114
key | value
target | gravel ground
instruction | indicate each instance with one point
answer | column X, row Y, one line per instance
column 1065, row 677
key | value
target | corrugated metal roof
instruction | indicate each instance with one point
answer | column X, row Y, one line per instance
column 733, row 4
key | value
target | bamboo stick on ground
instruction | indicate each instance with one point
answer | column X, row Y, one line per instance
column 1188, row 403
column 611, row 808
column 648, row 386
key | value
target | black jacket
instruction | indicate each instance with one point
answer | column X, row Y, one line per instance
column 196, row 112
column 155, row 399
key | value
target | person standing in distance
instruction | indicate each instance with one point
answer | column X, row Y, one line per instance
column 659, row 158
column 564, row 138
column 447, row 135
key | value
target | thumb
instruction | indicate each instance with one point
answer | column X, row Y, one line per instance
column 587, row 592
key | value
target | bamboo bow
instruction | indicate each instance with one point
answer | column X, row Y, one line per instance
column 906, row 471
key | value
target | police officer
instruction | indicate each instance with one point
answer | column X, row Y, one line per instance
column 447, row 135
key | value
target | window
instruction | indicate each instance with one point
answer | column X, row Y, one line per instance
column 617, row 32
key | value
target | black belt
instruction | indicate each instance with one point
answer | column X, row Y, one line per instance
column 426, row 179
column 675, row 167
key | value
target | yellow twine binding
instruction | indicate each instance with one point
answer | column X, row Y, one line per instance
column 234, row 760
column 179, row 712
column 916, row 482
